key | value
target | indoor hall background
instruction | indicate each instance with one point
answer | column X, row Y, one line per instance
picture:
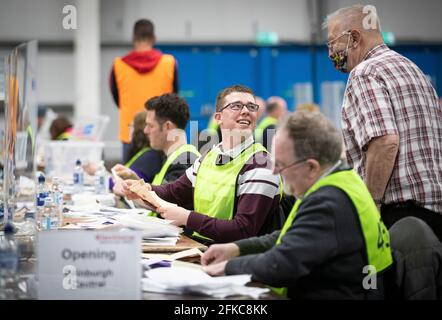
column 214, row 43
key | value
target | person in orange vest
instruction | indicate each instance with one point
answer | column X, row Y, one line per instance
column 143, row 73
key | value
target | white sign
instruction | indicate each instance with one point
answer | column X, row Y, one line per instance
column 89, row 264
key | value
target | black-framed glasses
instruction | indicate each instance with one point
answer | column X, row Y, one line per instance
column 238, row 105
column 329, row 44
column 290, row 165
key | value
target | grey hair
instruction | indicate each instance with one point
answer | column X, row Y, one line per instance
column 313, row 136
column 356, row 14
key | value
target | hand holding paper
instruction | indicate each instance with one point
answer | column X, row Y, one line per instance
column 219, row 252
column 217, row 269
column 144, row 191
column 120, row 171
column 127, row 184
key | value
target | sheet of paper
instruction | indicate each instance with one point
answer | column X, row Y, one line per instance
column 179, row 280
column 161, row 241
column 144, row 191
column 175, row 256
column 115, row 175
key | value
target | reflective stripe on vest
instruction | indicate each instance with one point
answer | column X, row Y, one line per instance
column 31, row 135
column 215, row 186
column 376, row 236
column 64, row 136
column 259, row 131
column 136, row 156
column 135, row 88
column 159, row 177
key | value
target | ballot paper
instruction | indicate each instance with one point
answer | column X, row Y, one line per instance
column 161, row 241
column 88, row 198
column 99, row 209
column 144, row 191
column 183, row 280
column 94, row 223
column 115, row 175
column 154, row 230
column 175, row 256
column 151, row 263
column 151, row 227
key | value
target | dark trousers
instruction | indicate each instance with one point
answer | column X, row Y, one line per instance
column 126, row 149
column 393, row 212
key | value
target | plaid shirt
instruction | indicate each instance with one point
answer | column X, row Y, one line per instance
column 388, row 94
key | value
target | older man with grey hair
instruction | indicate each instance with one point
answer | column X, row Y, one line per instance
column 391, row 119
column 334, row 233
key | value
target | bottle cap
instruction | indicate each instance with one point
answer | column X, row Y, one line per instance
column 41, row 179
column 9, row 228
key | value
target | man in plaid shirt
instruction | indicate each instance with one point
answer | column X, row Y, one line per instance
column 391, row 119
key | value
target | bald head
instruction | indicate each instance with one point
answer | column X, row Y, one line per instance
column 359, row 17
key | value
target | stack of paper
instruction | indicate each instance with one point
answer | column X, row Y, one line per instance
column 99, row 209
column 182, row 280
column 151, row 227
column 174, row 256
column 88, row 198
column 154, row 230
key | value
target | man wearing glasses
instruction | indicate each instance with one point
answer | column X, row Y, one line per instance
column 230, row 193
column 391, row 119
column 333, row 232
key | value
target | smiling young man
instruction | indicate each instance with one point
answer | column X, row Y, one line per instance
column 230, row 193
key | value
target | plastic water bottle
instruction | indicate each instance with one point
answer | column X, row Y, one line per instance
column 25, row 236
column 8, row 264
column 51, row 218
column 57, row 193
column 25, row 239
column 41, row 194
column 100, row 179
column 78, row 176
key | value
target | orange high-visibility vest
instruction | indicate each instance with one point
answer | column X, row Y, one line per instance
column 135, row 88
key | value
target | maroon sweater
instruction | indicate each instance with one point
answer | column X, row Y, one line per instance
column 257, row 201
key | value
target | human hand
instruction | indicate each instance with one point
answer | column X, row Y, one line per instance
column 118, row 188
column 178, row 215
column 126, row 184
column 124, row 172
column 217, row 269
column 219, row 252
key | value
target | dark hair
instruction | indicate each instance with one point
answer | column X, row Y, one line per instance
column 170, row 107
column 225, row 92
column 58, row 126
column 139, row 139
column 143, row 30
column 313, row 136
